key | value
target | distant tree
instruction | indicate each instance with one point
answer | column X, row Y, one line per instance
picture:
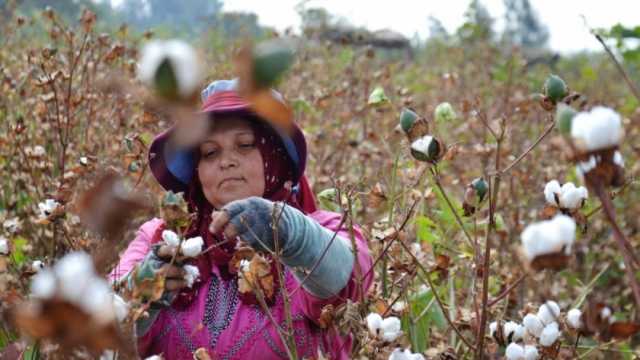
column 478, row 23
column 183, row 15
column 436, row 29
column 523, row 27
column 239, row 24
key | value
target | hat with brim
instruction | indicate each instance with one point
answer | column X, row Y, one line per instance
column 173, row 166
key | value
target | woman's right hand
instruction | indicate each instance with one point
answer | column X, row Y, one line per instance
column 174, row 281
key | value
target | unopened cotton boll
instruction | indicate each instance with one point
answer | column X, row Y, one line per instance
column 551, row 190
column 530, row 352
column 374, row 323
column 192, row 247
column 74, row 272
column 549, row 312
column 550, row 334
column 391, row 328
column 514, row 352
column 43, row 285
column 533, row 324
column 573, row 318
column 170, row 238
column 597, row 129
column 192, row 273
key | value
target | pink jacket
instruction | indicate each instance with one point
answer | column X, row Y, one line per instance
column 218, row 321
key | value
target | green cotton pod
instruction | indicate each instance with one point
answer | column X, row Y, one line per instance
column 555, row 88
column 564, row 118
column 480, row 187
column 328, row 199
column 165, row 82
column 270, row 60
column 378, row 97
column 407, row 119
column 444, row 112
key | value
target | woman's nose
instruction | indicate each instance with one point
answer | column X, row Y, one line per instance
column 228, row 161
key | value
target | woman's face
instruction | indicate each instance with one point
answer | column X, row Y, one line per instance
column 230, row 166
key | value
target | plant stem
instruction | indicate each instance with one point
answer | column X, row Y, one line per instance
column 436, row 181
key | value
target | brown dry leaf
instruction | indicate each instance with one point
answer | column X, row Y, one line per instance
column 66, row 324
column 623, row 330
column 548, row 212
column 556, row 262
column 376, row 196
column 243, row 253
column 268, row 107
column 258, row 276
column 107, row 206
column 150, row 289
column 326, row 316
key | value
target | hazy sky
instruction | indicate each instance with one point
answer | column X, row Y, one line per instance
column 563, row 17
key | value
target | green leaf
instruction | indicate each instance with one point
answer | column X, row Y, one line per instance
column 426, row 229
column 17, row 253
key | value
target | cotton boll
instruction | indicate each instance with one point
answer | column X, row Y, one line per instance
column 530, row 352
column 405, row 354
column 43, row 285
column 550, row 334
column 192, row 247
column 374, row 323
column 514, row 352
column 493, row 327
column 98, row 301
column 605, row 313
column 549, row 312
column 422, row 144
column 36, row 266
column 551, row 189
column 121, row 307
column 617, row 159
column 573, row 318
column 171, row 238
column 191, row 274
column 399, row 306
column 533, row 324
column 391, row 328
column 513, row 331
column 4, row 246
column 183, row 60
column 74, row 272
column 571, row 197
column 598, row 129
column 548, row 237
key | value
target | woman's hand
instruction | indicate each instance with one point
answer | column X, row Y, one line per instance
column 251, row 219
column 174, row 273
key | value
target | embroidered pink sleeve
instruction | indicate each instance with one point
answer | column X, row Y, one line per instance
column 137, row 249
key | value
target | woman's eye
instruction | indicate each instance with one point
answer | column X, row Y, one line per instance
column 208, row 153
column 247, row 145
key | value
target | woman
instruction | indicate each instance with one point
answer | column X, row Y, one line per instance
column 234, row 181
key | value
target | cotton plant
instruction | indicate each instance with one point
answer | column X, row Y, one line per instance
column 12, row 225
column 547, row 244
column 516, row 351
column 386, row 329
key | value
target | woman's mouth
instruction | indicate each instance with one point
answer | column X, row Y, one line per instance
column 230, row 180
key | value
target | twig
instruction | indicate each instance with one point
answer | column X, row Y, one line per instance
column 436, row 181
column 507, row 290
column 526, row 152
column 485, row 277
column 628, row 255
column 632, row 86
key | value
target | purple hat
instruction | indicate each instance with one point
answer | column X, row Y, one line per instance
column 173, row 167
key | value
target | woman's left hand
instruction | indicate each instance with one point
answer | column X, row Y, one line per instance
column 251, row 219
